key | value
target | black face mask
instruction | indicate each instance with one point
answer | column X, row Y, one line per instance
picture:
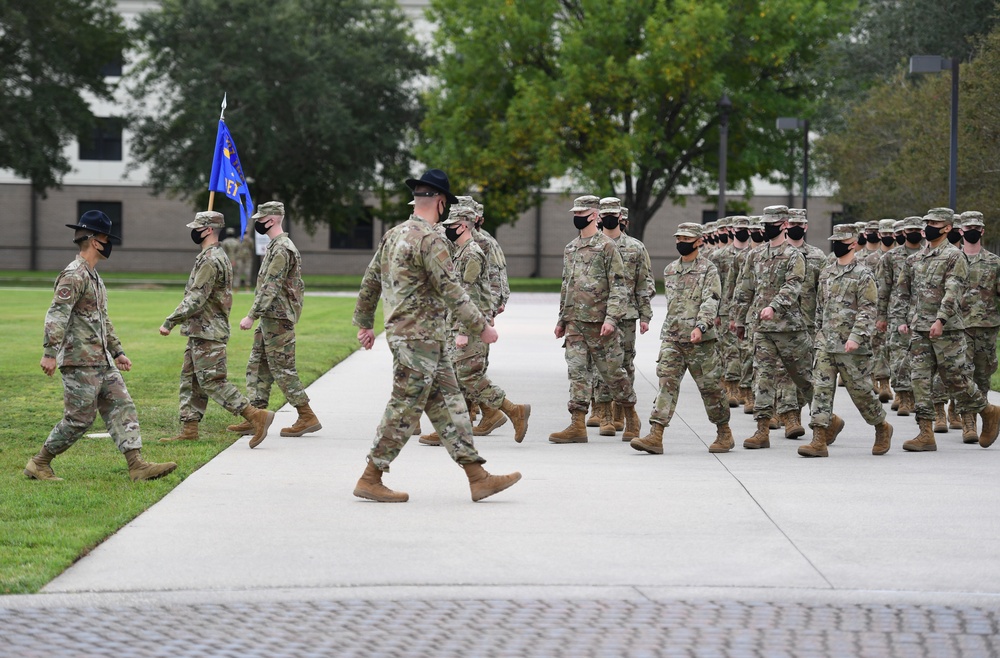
column 771, row 231
column 795, row 232
column 972, row 236
column 609, row 222
column 196, row 236
column 871, row 237
column 841, row 249
column 888, row 240
column 900, row 239
column 742, row 234
column 104, row 248
column 862, row 240
column 757, row 236
column 932, row 233
column 954, row 236
column 260, row 227
column 451, row 232
column 725, row 238
column 685, row 248
column 581, row 221
column 913, row 238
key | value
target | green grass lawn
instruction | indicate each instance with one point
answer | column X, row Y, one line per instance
column 49, row 525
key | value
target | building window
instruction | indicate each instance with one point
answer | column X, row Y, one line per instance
column 113, row 69
column 113, row 209
column 709, row 216
column 105, row 142
column 356, row 236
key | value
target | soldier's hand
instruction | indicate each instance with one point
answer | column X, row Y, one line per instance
column 767, row 313
column 696, row 335
column 560, row 331
column 718, row 321
column 124, row 363
column 461, row 341
column 500, row 310
column 732, row 326
column 607, row 329
column 741, row 333
column 643, row 327
column 489, row 335
column 164, row 331
column 903, row 329
column 366, row 337
column 48, row 365
column 246, row 324
column 937, row 329
column 850, row 346
column 882, row 326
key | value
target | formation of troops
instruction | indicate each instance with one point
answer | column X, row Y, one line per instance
column 902, row 311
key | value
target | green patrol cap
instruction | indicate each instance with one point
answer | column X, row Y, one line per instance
column 690, row 230
column 972, row 218
column 624, row 214
column 208, row 219
column 797, row 216
column 585, row 203
column 459, row 214
column 725, row 222
column 268, row 209
column 707, row 227
column 844, row 232
column 611, row 205
column 466, row 201
column 940, row 215
column 774, row 215
column 741, row 221
column 886, row 225
column 871, row 226
column 755, row 223
column 913, row 222
column 897, row 226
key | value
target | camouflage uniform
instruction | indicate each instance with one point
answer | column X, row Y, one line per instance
column 980, row 311
column 243, row 263
column 887, row 275
column 736, row 279
column 733, row 364
column 80, row 336
column 204, row 318
column 278, row 304
column 414, row 270
column 724, row 260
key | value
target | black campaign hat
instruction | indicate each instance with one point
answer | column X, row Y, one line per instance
column 434, row 178
column 96, row 221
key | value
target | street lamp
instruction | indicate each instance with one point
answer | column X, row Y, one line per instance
column 794, row 123
column 724, row 105
column 936, row 64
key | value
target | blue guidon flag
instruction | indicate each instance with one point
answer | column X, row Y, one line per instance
column 227, row 175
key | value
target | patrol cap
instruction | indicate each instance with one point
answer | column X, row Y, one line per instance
column 844, row 232
column 725, row 222
column 459, row 214
column 897, row 226
column 871, row 226
column 208, row 219
column 913, row 222
column 860, row 226
column 585, row 203
column 611, row 205
column 797, row 216
column 268, row 209
column 740, row 221
column 972, row 218
column 708, row 227
column 690, row 230
column 624, row 213
column 466, row 201
column 755, row 224
column 886, row 225
column 479, row 209
column 940, row 215
column 774, row 215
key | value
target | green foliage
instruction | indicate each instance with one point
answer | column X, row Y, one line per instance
column 51, row 54
column 321, row 98
column 617, row 94
column 47, row 526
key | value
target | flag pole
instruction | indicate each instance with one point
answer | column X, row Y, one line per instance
column 211, row 194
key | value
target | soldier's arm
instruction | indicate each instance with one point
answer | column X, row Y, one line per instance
column 68, row 290
column 954, row 288
column 617, row 301
column 441, row 272
column 642, row 287
column 711, row 293
column 900, row 300
column 867, row 299
column 196, row 296
column 883, row 281
column 791, row 289
column 368, row 295
column 498, row 259
column 269, row 283
column 563, row 289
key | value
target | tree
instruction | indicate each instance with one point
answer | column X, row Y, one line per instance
column 51, row 56
column 620, row 95
column 321, row 99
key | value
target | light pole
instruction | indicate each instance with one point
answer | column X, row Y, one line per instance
column 724, row 105
column 936, row 64
column 794, row 123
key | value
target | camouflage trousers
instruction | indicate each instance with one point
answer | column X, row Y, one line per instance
column 881, row 353
column 944, row 356
column 423, row 379
column 729, row 352
column 584, row 343
column 981, row 352
column 702, row 361
column 627, row 331
column 856, row 371
column 771, row 349
column 746, row 360
column 272, row 359
column 87, row 391
column 471, row 362
column 899, row 360
column 204, row 375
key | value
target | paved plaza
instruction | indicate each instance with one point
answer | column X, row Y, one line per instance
column 599, row 550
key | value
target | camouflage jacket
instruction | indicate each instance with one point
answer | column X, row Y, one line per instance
column 870, row 259
column 499, row 262
column 78, row 331
column 982, row 291
column 414, row 270
column 773, row 277
column 692, row 291
column 815, row 262
column 638, row 279
column 208, row 296
column 232, row 248
column 473, row 275
column 489, row 246
column 724, row 260
column 930, row 287
column 889, row 267
column 845, row 307
column 279, row 282
column 593, row 282
column 732, row 280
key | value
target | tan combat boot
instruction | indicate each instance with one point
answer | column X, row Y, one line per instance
column 735, row 398
column 748, row 400
column 483, row 485
column 836, row 427
column 884, row 392
column 818, row 446
column 793, row 424
column 773, row 423
column 474, row 410
column 260, row 421
column 242, row 429
column 518, row 414
column 762, row 437
column 906, row 404
column 940, row 418
column 954, row 418
column 607, row 422
column 723, row 439
column 138, row 469
column 189, row 432
column 618, row 416
column 370, row 487
column 883, row 436
column 895, row 402
column 923, row 442
column 969, row 432
column 576, row 432
column 632, row 423
column 431, row 439
column 39, row 467
column 991, row 425
column 492, row 419
column 595, row 414
column 652, row 442
column 306, row 423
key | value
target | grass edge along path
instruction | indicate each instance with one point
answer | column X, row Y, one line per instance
column 49, row 525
